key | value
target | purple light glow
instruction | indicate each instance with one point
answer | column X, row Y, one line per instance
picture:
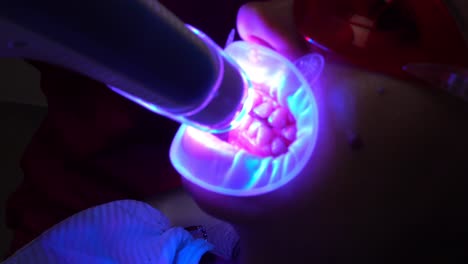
column 315, row 43
column 217, row 166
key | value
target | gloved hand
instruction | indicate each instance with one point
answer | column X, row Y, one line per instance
column 119, row 232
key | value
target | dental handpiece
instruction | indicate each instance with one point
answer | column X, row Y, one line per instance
column 136, row 47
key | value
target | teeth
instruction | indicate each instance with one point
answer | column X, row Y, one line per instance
column 269, row 129
column 246, row 123
column 264, row 135
column 253, row 129
column 264, row 109
column 256, row 98
column 278, row 146
column 279, row 118
column 289, row 132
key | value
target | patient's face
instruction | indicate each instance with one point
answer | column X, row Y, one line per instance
column 390, row 155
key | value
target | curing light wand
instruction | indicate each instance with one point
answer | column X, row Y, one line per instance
column 138, row 48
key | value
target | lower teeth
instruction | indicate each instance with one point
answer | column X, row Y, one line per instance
column 268, row 130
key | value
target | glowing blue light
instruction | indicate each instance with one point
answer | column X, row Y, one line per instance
column 196, row 31
column 315, row 43
column 255, row 171
column 215, row 165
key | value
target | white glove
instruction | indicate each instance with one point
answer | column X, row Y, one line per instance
column 118, row 232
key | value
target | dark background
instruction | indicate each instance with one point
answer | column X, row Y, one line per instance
column 22, row 107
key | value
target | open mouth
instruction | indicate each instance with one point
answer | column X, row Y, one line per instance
column 272, row 143
column 269, row 128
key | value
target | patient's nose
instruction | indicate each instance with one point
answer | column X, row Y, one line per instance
column 271, row 24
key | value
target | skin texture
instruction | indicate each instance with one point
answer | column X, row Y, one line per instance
column 401, row 197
